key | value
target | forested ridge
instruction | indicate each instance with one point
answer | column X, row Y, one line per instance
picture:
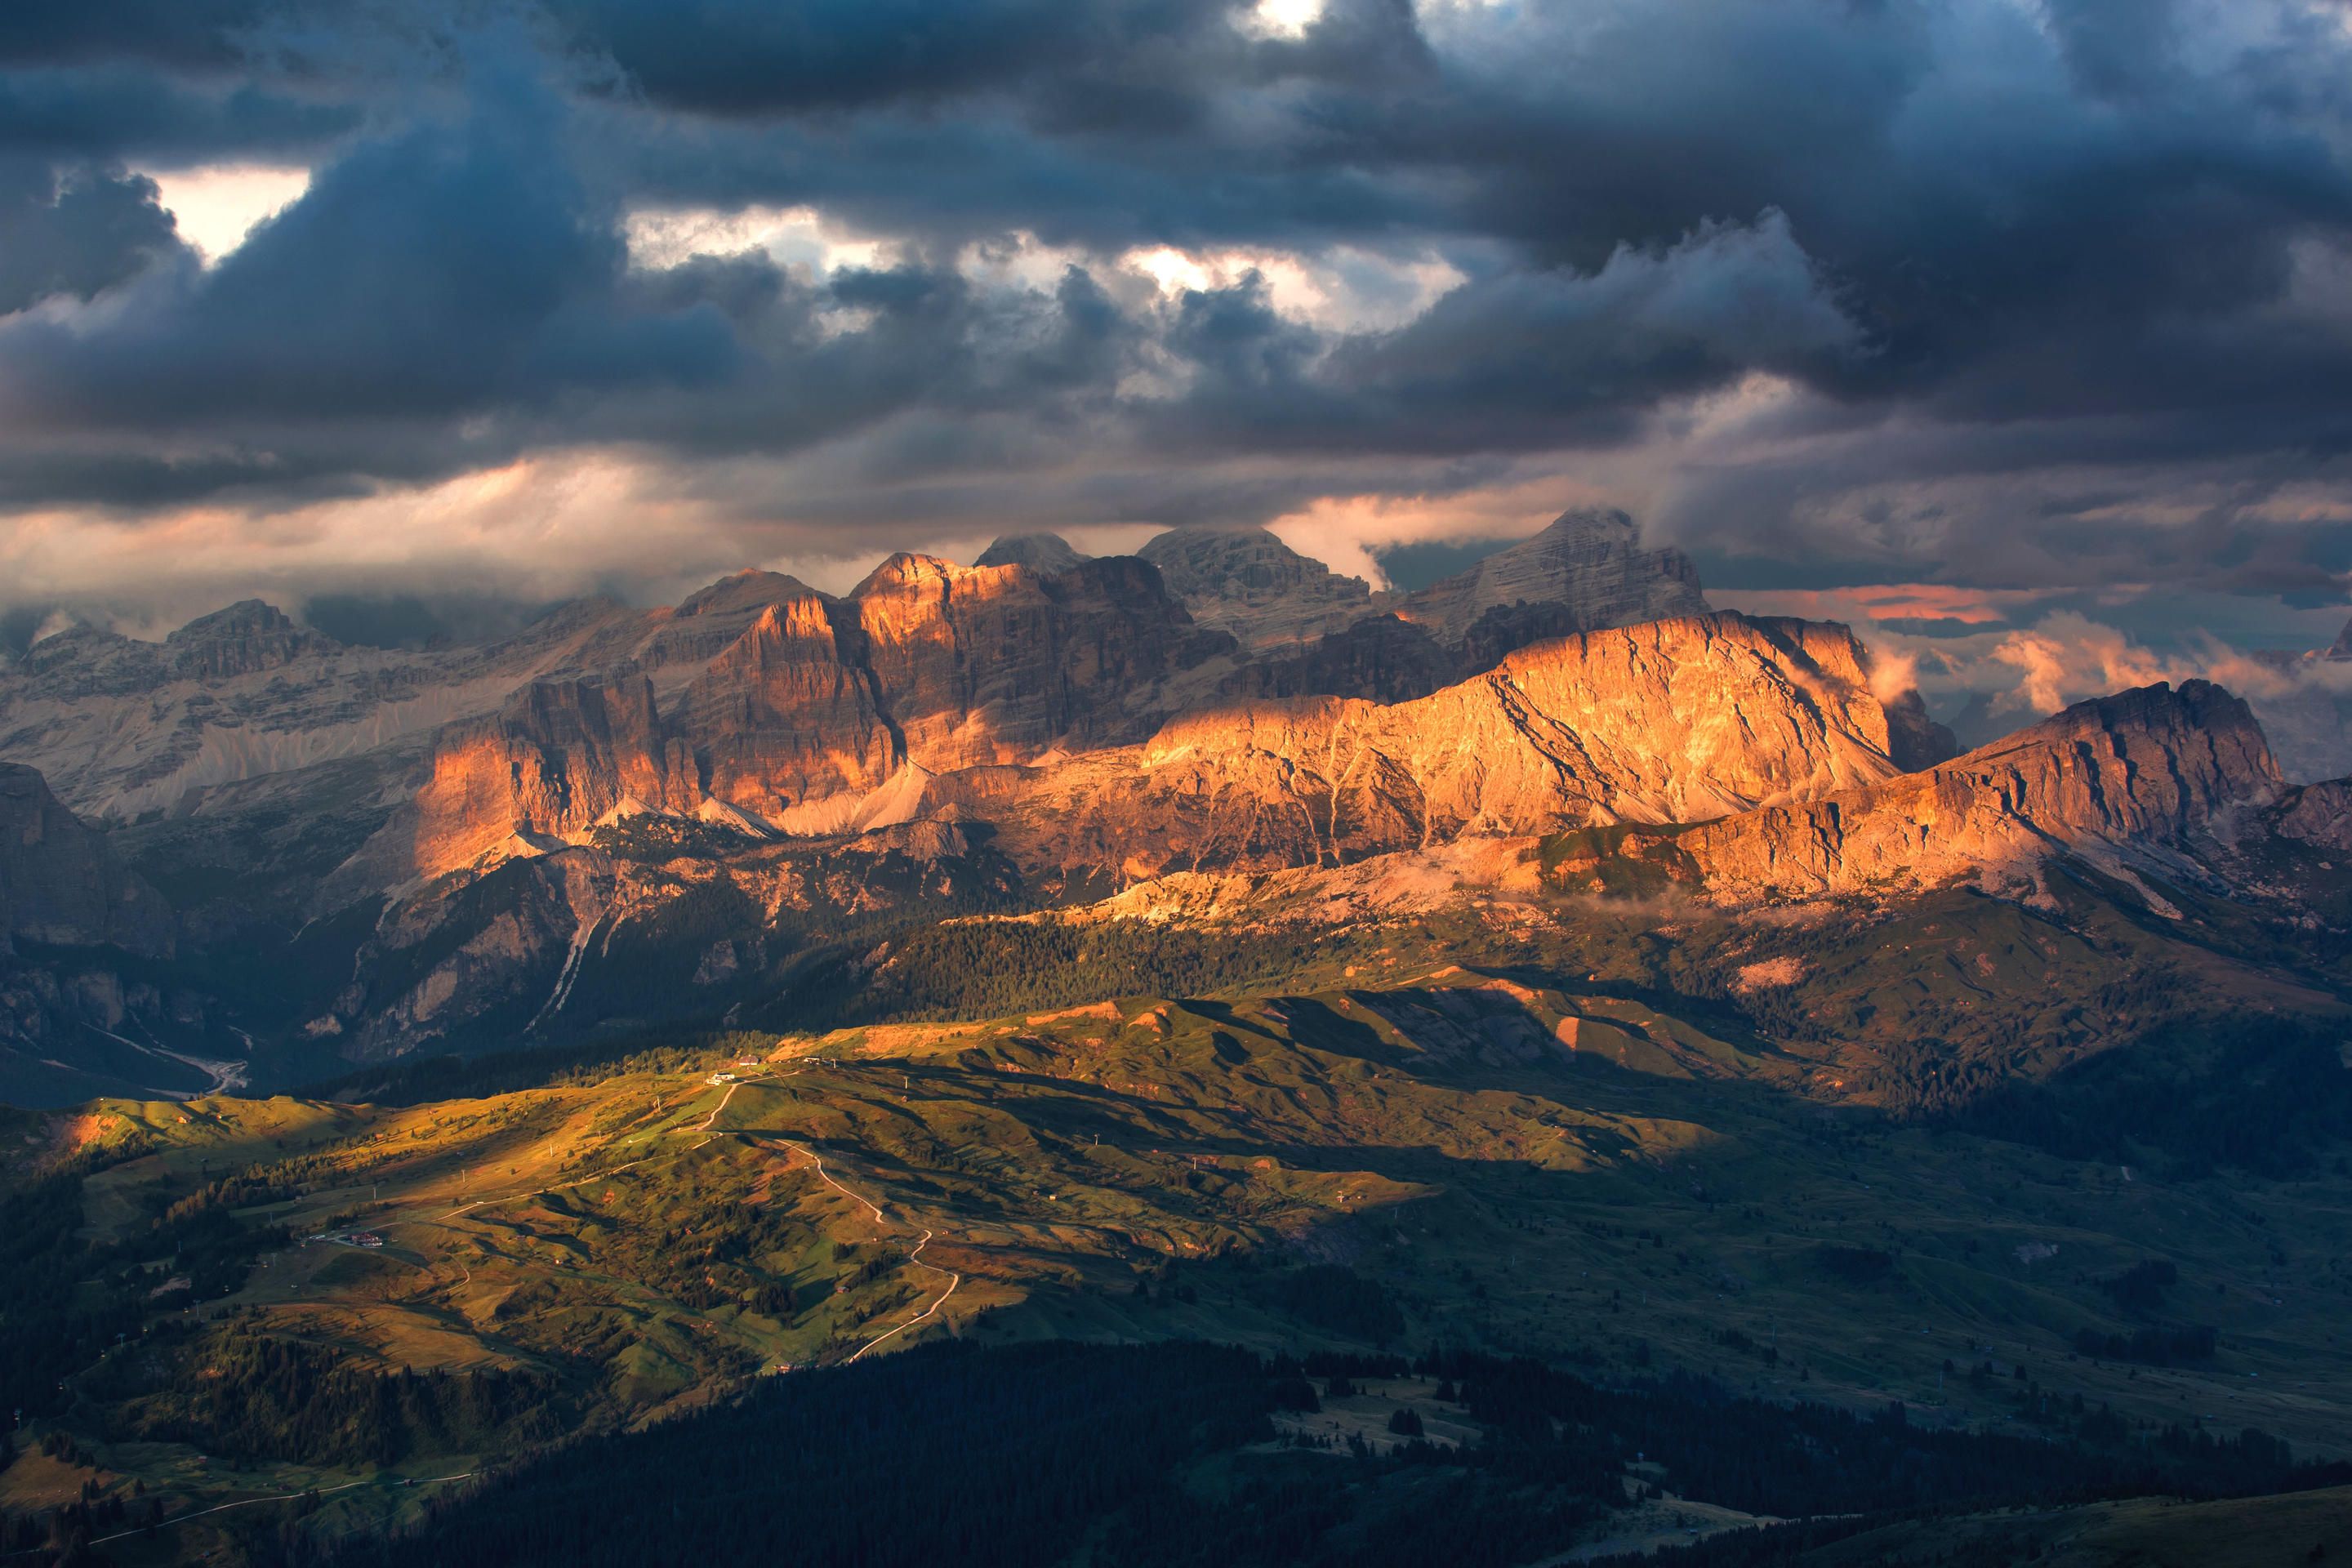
column 1159, row 1456
column 66, row 1301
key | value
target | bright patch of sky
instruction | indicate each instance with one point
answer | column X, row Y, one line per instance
column 799, row 237
column 219, row 204
column 1279, row 18
column 1339, row 289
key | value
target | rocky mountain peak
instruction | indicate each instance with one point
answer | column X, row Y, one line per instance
column 1589, row 562
column 2121, row 779
column 909, row 570
column 2163, row 758
column 1047, row 554
column 1249, row 582
column 749, row 589
column 246, row 638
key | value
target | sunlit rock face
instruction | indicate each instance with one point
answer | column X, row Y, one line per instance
column 993, row 665
column 781, row 718
column 559, row 756
column 2145, row 790
column 823, row 716
column 2136, row 774
column 494, row 831
column 1675, row 721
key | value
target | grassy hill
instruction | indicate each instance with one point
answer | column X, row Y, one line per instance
column 1565, row 1148
column 2072, row 1172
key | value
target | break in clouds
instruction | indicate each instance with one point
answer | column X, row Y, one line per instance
column 2018, row 333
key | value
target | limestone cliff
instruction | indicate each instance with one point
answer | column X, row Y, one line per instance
column 126, row 730
column 2134, row 779
column 823, row 716
column 61, row 883
column 1669, row 721
column 782, row 718
column 985, row 665
column 246, row 638
column 558, row 757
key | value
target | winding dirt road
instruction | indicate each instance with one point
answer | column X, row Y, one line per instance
column 914, row 1254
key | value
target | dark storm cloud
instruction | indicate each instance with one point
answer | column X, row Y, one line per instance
column 2083, row 235
column 187, row 33
column 434, row 272
column 75, row 235
column 114, row 111
column 745, row 57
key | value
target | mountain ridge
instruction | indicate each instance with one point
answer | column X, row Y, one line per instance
column 675, row 808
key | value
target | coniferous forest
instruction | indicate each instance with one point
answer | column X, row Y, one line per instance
column 1161, row 1457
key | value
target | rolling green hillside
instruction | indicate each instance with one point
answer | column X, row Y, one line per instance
column 1502, row 1138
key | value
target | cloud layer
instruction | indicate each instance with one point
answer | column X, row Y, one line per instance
column 2025, row 311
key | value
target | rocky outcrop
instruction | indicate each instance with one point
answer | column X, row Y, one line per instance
column 126, row 730
column 480, row 955
column 1589, row 563
column 1042, row 722
column 2129, row 779
column 1672, row 722
column 782, row 720
column 1914, row 740
column 1047, row 554
column 2319, row 816
column 823, row 716
column 1246, row 581
column 1310, row 632
column 704, row 626
column 248, row 638
column 988, row 665
column 61, row 883
column 559, row 756
column 658, row 924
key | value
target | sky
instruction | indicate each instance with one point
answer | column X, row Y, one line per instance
column 2018, row 333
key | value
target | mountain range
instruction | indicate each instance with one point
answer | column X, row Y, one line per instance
column 1023, row 964
column 249, row 849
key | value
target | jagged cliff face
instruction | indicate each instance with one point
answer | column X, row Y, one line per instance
column 638, row 922
column 997, row 665
column 935, row 684
column 2134, row 782
column 823, row 716
column 782, row 721
column 1314, row 633
column 62, row 884
column 1672, row 722
column 2147, row 787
